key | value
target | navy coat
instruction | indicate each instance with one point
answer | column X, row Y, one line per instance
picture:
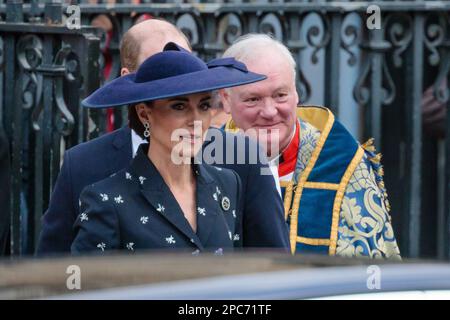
column 135, row 209
column 95, row 160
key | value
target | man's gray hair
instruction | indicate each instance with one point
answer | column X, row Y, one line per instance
column 247, row 46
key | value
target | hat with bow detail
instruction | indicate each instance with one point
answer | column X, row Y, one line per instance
column 170, row 73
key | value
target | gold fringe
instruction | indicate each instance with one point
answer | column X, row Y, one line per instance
column 376, row 159
column 368, row 145
column 387, row 203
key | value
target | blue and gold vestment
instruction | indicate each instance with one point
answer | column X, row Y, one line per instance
column 336, row 202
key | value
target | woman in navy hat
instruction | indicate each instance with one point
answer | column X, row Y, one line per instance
column 164, row 199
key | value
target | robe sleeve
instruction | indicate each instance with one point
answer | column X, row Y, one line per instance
column 365, row 227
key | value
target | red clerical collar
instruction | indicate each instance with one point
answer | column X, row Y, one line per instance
column 288, row 157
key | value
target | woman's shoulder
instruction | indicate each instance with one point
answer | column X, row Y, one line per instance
column 116, row 182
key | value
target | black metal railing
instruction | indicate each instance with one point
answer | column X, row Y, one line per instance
column 46, row 69
column 376, row 76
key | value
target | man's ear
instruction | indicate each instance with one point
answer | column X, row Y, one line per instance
column 224, row 95
column 124, row 71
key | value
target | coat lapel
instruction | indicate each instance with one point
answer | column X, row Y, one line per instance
column 158, row 194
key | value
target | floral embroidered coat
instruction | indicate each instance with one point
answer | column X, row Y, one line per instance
column 134, row 209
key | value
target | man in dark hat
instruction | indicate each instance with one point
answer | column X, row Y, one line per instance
column 95, row 160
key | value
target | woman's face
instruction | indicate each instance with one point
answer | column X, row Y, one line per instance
column 178, row 125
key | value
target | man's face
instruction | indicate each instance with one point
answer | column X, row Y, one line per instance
column 267, row 106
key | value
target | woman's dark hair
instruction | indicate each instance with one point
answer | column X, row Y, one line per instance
column 134, row 122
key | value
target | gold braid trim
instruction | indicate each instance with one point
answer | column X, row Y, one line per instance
column 322, row 185
column 340, row 196
column 314, row 242
column 304, row 177
column 288, row 198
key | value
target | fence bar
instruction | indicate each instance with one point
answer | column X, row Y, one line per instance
column 414, row 137
column 14, row 125
column 332, row 66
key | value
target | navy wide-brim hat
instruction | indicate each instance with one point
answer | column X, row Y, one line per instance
column 170, row 73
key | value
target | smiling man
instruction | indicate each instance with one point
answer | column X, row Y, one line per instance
column 334, row 196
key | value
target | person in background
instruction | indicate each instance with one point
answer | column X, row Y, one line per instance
column 434, row 113
column 219, row 116
column 334, row 196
